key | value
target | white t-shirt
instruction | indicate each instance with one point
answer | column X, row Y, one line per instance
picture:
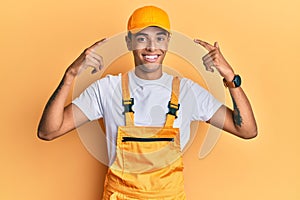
column 103, row 99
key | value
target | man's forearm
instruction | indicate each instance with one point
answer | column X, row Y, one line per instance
column 53, row 114
column 242, row 115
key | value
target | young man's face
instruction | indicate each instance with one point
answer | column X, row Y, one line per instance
column 149, row 48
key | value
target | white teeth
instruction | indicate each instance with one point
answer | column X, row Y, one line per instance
column 151, row 57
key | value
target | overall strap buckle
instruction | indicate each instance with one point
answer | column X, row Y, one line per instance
column 128, row 103
column 173, row 108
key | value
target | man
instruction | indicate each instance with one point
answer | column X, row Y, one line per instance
column 147, row 112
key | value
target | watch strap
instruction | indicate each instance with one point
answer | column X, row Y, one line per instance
column 236, row 82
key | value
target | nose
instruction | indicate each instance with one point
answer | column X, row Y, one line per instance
column 151, row 45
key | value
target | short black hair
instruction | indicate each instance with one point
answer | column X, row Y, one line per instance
column 129, row 34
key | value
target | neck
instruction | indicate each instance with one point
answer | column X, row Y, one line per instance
column 148, row 75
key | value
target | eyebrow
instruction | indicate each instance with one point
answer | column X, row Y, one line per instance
column 145, row 34
column 162, row 33
column 138, row 34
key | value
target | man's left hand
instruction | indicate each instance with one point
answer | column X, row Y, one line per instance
column 214, row 58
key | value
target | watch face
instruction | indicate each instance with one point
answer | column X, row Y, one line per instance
column 237, row 81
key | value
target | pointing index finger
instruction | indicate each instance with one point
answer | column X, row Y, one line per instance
column 206, row 45
column 98, row 43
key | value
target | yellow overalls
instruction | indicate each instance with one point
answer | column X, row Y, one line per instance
column 148, row 161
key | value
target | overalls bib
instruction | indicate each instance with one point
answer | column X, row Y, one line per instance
column 148, row 162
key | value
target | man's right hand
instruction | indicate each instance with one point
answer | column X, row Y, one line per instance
column 88, row 58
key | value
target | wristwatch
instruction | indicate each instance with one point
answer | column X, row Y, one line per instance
column 236, row 82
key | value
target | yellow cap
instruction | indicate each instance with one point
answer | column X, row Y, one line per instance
column 148, row 16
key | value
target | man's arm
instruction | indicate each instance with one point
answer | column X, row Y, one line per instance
column 240, row 120
column 58, row 119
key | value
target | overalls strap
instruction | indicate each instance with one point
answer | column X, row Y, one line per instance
column 173, row 103
column 127, row 101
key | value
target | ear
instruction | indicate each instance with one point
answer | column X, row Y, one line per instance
column 169, row 37
column 128, row 43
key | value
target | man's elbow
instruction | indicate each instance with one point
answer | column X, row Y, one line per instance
column 249, row 134
column 45, row 136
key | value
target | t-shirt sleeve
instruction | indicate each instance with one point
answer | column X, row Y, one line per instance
column 90, row 102
column 206, row 104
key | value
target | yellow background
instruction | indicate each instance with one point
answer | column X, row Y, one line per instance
column 39, row 39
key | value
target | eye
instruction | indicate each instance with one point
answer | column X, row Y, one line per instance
column 161, row 39
column 141, row 39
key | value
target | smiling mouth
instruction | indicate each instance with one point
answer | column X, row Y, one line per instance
column 150, row 58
